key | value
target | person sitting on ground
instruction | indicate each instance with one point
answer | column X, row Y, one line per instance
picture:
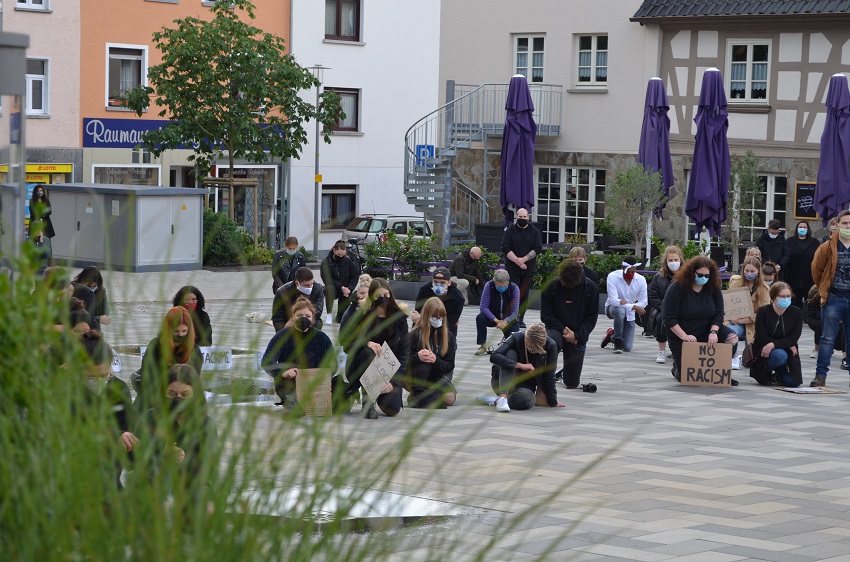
column 361, row 291
column 778, row 329
column 768, row 273
column 287, row 294
column 744, row 327
column 670, row 263
column 523, row 375
column 569, row 309
column 339, row 274
column 88, row 287
column 431, row 362
column 441, row 286
column 175, row 343
column 467, row 275
column 626, row 299
column 191, row 299
column 286, row 262
column 693, row 309
column 499, row 307
column 579, row 255
column 379, row 320
column 298, row 345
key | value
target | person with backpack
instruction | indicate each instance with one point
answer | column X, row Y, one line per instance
column 670, row 263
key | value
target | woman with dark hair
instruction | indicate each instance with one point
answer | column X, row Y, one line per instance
column 88, row 287
column 174, row 344
column 432, row 359
column 298, row 345
column 379, row 319
column 41, row 226
column 801, row 253
column 778, row 329
column 191, row 299
column 693, row 309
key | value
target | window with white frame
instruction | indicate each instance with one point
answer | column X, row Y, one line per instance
column 592, row 59
column 350, row 101
column 528, row 56
column 126, row 69
column 338, row 203
column 141, row 156
column 342, row 20
column 748, row 69
column 36, row 87
column 33, row 4
column 569, row 201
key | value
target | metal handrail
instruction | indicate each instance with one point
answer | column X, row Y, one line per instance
column 466, row 204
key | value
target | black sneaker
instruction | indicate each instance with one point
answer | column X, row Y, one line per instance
column 844, row 364
column 607, row 339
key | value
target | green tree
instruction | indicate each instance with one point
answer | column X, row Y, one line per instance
column 630, row 200
column 228, row 87
column 746, row 192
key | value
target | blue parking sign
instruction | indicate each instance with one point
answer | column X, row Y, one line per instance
column 423, row 153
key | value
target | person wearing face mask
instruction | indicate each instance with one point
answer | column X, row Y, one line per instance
column 831, row 273
column 579, row 255
column 191, row 299
column 751, row 279
column 569, row 309
column 88, row 287
column 286, row 262
column 773, row 247
column 442, row 287
column 775, row 347
column 287, row 294
column 798, row 271
column 521, row 245
column 670, row 263
column 174, row 344
column 693, row 309
column 339, row 273
column 361, row 291
column 298, row 345
column 499, row 308
column 379, row 320
column 431, row 363
column 41, row 225
column 768, row 273
column 626, row 298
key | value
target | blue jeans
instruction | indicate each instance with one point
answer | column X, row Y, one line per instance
column 624, row 330
column 741, row 332
column 777, row 361
column 482, row 323
column 835, row 311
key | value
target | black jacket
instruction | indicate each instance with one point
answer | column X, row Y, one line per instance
column 521, row 241
column 576, row 308
column 443, row 365
column 773, row 249
column 284, row 268
column 42, row 213
column 365, row 326
column 290, row 348
column 464, row 267
column 590, row 274
column 338, row 273
column 798, row 271
column 286, row 296
column 154, row 373
column 544, row 365
column 784, row 332
column 657, row 290
column 452, row 300
column 97, row 304
column 203, row 327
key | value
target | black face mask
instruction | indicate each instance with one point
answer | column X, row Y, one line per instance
column 179, row 340
column 177, row 405
column 381, row 301
column 303, row 324
column 522, row 223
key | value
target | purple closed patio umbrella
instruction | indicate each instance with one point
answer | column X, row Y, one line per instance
column 654, row 149
column 832, row 191
column 516, row 183
column 708, row 188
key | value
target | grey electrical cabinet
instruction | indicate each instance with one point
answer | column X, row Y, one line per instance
column 128, row 227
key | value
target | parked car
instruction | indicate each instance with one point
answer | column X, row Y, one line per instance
column 370, row 228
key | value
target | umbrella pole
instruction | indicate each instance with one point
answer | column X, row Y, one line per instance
column 648, row 242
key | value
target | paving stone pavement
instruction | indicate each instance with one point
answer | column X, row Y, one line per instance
column 644, row 469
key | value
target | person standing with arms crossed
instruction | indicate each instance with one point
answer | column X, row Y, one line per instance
column 521, row 244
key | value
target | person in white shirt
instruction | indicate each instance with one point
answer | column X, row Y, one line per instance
column 626, row 298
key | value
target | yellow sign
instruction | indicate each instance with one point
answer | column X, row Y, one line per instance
column 37, row 178
column 318, row 178
column 52, row 168
column 183, row 208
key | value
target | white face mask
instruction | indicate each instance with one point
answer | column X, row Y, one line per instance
column 305, row 290
column 436, row 322
column 673, row 265
column 96, row 384
column 772, row 235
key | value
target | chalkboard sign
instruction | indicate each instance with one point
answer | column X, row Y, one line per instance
column 804, row 200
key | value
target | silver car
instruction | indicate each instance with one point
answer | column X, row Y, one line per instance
column 369, row 228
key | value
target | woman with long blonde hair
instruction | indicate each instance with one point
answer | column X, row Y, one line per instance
column 432, row 359
column 751, row 278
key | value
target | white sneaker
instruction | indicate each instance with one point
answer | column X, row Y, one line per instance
column 736, row 363
column 813, row 354
column 502, row 405
column 329, row 319
column 669, row 353
column 486, row 399
column 662, row 358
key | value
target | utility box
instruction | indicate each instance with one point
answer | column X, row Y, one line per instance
column 127, row 227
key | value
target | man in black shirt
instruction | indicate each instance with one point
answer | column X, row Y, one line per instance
column 303, row 286
column 521, row 244
column 441, row 287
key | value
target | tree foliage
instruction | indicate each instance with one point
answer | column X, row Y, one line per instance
column 630, row 200
column 746, row 192
column 228, row 87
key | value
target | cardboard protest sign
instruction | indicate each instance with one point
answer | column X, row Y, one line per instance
column 737, row 303
column 313, row 391
column 216, row 358
column 704, row 366
column 379, row 372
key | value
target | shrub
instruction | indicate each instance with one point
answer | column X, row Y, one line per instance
column 222, row 242
column 260, row 255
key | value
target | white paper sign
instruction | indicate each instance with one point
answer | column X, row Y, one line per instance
column 379, row 372
column 216, row 358
column 116, row 362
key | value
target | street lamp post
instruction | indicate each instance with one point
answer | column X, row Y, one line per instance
column 317, row 71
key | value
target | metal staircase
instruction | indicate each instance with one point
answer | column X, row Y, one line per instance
column 473, row 115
